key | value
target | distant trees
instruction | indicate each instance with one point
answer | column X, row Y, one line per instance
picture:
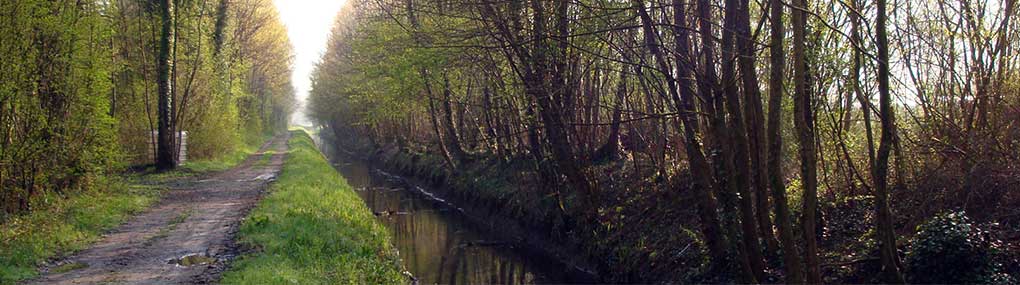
column 674, row 88
column 218, row 88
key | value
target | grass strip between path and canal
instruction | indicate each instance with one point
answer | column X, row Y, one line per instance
column 312, row 228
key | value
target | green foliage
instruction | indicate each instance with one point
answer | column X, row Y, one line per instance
column 226, row 102
column 951, row 249
column 376, row 70
column 66, row 225
column 78, row 93
column 57, row 135
column 313, row 229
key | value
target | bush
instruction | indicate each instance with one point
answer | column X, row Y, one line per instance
column 56, row 133
column 951, row 249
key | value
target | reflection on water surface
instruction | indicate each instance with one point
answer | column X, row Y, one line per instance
column 437, row 245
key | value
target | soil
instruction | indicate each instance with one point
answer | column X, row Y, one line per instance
column 186, row 237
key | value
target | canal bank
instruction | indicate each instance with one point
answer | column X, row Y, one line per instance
column 635, row 239
column 450, row 241
column 311, row 228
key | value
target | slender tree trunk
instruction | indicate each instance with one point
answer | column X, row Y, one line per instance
column 886, row 236
column 611, row 149
column 791, row 256
column 755, row 126
column 534, row 139
column 722, row 160
column 452, row 139
column 490, row 125
column 449, row 147
column 436, row 125
column 656, row 134
column 804, row 123
column 738, row 157
column 708, row 206
column 173, row 78
column 164, row 142
column 221, row 24
column 855, row 40
column 538, row 87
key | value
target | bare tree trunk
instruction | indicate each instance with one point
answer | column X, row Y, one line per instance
column 165, row 139
column 855, row 40
column 611, row 149
column 436, row 125
column 490, row 124
column 804, row 123
column 534, row 139
column 886, row 236
column 708, row 206
column 221, row 24
column 738, row 156
column 556, row 132
column 452, row 156
column 755, row 126
column 453, row 141
column 791, row 257
column 725, row 187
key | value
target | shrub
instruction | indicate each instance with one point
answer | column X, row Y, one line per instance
column 951, row 249
column 56, row 133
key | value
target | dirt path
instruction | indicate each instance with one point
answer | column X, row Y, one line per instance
column 197, row 216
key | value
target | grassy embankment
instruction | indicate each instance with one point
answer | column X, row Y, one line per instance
column 69, row 224
column 313, row 228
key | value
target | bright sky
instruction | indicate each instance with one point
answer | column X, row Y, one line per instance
column 308, row 25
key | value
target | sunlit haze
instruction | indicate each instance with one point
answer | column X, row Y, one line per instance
column 308, row 25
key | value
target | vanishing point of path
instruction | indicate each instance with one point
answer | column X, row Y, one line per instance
column 196, row 216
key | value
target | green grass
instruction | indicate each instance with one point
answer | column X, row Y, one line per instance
column 221, row 163
column 313, row 229
column 72, row 223
column 66, row 225
column 266, row 158
column 191, row 167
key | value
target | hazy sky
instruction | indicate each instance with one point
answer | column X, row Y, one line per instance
column 308, row 24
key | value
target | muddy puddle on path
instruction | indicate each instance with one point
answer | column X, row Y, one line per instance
column 437, row 244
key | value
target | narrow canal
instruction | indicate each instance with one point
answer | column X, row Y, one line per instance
column 437, row 244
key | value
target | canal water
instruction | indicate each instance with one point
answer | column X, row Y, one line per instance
column 437, row 244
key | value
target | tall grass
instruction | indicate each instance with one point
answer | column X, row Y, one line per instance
column 313, row 229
